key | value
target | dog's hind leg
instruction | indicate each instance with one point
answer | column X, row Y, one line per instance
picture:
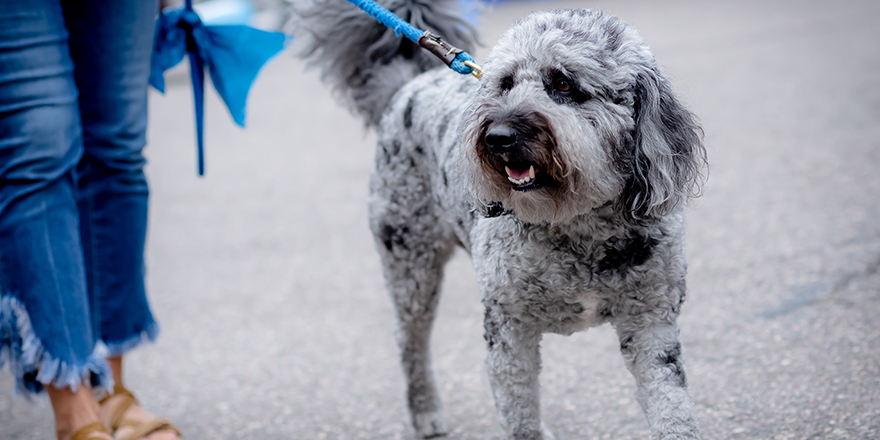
column 652, row 352
column 414, row 245
column 413, row 268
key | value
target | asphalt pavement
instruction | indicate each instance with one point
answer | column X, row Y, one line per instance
column 276, row 325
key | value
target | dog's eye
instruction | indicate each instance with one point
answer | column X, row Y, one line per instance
column 562, row 85
column 563, row 90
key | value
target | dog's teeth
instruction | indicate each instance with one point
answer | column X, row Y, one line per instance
column 525, row 179
column 510, row 176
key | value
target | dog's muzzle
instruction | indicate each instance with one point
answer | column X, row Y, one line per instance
column 508, row 152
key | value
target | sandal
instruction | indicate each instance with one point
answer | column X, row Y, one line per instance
column 141, row 428
column 91, row 431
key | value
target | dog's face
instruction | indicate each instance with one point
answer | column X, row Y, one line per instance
column 573, row 114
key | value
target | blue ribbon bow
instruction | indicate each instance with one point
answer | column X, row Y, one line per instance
column 233, row 54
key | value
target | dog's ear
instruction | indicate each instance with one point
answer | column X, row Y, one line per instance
column 668, row 157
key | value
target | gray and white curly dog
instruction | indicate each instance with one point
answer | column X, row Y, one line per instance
column 563, row 172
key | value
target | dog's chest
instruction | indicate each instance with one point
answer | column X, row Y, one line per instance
column 537, row 277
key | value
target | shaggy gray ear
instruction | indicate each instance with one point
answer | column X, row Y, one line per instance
column 668, row 156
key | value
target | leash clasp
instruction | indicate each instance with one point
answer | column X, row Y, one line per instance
column 447, row 53
column 477, row 72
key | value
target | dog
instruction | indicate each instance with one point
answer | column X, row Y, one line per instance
column 563, row 172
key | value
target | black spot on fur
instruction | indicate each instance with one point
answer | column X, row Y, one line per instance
column 671, row 356
column 444, row 124
column 494, row 209
column 506, row 83
column 395, row 148
column 672, row 360
column 419, row 149
column 625, row 343
column 385, row 154
column 392, row 236
column 491, row 329
column 407, row 113
column 626, row 253
column 445, row 178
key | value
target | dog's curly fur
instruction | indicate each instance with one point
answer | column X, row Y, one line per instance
column 595, row 234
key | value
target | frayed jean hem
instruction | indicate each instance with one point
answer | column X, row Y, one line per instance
column 32, row 366
column 148, row 334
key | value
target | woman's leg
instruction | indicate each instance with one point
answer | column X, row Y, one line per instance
column 73, row 409
column 111, row 44
column 45, row 331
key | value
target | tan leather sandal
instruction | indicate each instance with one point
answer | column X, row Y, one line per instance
column 92, row 431
column 140, row 428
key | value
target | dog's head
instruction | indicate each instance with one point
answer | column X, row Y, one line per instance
column 573, row 114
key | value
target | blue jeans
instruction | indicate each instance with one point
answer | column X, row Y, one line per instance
column 73, row 194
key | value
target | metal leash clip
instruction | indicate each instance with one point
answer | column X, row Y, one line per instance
column 477, row 72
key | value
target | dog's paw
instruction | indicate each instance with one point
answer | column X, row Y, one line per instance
column 430, row 425
column 546, row 432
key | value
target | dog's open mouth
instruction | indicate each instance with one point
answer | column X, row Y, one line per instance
column 521, row 177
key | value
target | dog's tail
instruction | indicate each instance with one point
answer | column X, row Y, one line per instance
column 362, row 60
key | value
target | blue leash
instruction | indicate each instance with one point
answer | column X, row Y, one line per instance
column 457, row 59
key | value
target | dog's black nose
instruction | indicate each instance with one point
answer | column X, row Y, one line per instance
column 500, row 137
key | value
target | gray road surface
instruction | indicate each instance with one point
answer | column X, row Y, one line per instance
column 276, row 324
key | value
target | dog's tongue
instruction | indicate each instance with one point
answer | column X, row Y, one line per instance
column 518, row 174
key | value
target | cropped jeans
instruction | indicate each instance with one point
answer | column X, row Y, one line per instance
column 73, row 194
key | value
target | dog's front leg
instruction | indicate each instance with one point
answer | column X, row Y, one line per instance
column 652, row 353
column 514, row 363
